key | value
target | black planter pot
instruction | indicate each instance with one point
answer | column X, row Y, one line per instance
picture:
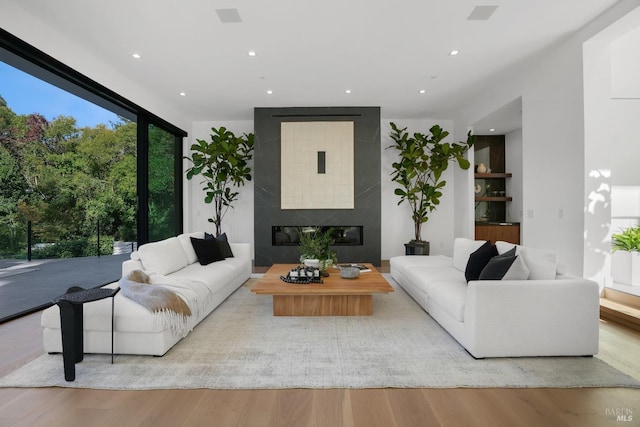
column 416, row 247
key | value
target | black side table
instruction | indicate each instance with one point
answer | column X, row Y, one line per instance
column 72, row 323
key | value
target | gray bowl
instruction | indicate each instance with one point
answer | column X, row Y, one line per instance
column 349, row 272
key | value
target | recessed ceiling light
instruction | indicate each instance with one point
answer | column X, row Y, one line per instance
column 269, row 92
column 454, row 52
column 422, row 91
column 183, row 94
column 492, row 130
column 252, row 53
column 136, row 55
column 347, row 91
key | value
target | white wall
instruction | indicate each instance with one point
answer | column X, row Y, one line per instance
column 513, row 161
column 625, row 147
column 625, row 66
column 554, row 171
column 612, row 133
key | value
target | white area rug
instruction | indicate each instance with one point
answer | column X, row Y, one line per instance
column 241, row 345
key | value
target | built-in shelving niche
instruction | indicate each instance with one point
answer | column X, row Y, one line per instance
column 491, row 195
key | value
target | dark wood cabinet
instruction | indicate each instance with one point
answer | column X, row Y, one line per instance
column 506, row 232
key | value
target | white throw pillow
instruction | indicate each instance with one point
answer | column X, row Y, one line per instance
column 503, row 247
column 542, row 264
column 163, row 257
column 462, row 249
column 185, row 241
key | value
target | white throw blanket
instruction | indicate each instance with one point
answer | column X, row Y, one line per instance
column 167, row 306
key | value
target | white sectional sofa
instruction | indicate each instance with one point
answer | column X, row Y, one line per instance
column 172, row 262
column 550, row 314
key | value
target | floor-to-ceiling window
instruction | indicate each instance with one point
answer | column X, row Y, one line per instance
column 81, row 167
column 67, row 171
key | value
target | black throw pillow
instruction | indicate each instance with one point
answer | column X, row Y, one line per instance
column 207, row 250
column 497, row 267
column 510, row 252
column 478, row 260
column 223, row 244
column 503, row 267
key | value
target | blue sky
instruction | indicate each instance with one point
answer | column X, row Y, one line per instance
column 26, row 94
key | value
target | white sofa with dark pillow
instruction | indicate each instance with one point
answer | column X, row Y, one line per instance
column 515, row 303
column 172, row 264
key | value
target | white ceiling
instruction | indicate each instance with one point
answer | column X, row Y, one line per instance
column 308, row 53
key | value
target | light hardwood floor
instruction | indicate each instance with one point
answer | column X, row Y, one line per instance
column 20, row 342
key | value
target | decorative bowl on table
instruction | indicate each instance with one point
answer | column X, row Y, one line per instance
column 349, row 272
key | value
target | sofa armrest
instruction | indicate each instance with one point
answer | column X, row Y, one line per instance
column 241, row 250
column 131, row 264
column 532, row 317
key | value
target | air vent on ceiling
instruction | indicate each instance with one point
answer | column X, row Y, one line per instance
column 228, row 16
column 481, row 13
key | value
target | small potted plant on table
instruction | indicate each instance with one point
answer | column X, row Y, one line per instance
column 315, row 247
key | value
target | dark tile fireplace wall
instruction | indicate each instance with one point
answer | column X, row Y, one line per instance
column 367, row 197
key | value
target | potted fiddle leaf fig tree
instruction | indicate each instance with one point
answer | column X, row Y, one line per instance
column 422, row 159
column 223, row 163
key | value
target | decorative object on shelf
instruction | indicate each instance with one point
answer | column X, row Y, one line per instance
column 422, row 159
column 303, row 275
column 625, row 260
column 481, row 168
column 223, row 163
column 315, row 244
column 349, row 272
column 478, row 189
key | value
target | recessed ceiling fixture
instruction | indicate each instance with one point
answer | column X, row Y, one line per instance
column 252, row 53
column 183, row 94
column 423, row 91
column 454, row 52
column 269, row 92
column 481, row 13
column 492, row 130
column 136, row 55
column 347, row 91
column 228, row 16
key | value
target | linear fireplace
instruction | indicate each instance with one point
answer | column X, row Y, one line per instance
column 288, row 235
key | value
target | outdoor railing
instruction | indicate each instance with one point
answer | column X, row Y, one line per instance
column 26, row 243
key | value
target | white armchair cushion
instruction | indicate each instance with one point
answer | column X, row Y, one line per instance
column 163, row 257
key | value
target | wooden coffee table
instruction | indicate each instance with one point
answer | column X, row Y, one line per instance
column 335, row 297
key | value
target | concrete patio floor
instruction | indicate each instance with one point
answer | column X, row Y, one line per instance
column 28, row 286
